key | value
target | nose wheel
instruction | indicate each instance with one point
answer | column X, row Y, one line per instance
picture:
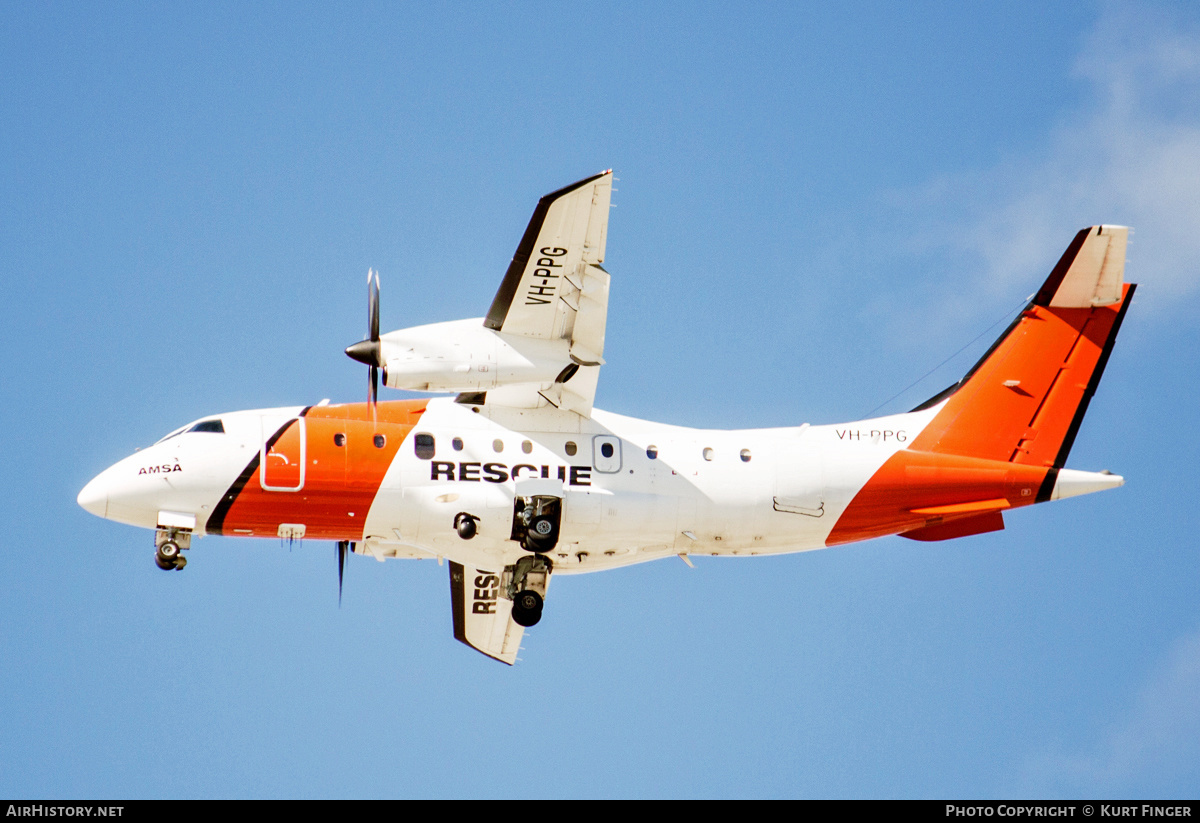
column 168, row 546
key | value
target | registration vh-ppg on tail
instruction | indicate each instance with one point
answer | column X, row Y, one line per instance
column 514, row 478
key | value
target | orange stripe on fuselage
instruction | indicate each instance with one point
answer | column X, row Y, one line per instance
column 340, row 482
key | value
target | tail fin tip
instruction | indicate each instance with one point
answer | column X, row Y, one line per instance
column 1091, row 271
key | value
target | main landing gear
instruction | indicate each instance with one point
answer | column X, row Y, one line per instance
column 536, row 521
column 535, row 525
column 168, row 548
column 525, row 584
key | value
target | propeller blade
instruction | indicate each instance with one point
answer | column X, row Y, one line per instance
column 369, row 352
column 373, row 328
column 373, row 305
column 342, row 547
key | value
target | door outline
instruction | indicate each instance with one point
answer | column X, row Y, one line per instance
column 265, row 450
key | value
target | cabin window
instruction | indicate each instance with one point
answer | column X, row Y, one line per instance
column 423, row 444
column 652, row 452
column 606, row 453
column 498, row 445
column 745, row 455
column 380, row 441
column 339, row 439
column 213, row 426
column 570, row 448
column 457, row 444
column 527, row 447
column 708, row 454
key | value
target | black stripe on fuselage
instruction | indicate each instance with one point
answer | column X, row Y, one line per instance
column 216, row 521
column 512, row 278
column 1047, row 487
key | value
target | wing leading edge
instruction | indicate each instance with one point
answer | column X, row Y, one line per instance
column 556, row 289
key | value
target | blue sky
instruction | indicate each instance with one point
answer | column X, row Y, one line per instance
column 816, row 205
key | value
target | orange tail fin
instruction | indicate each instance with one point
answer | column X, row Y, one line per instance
column 1004, row 433
column 1024, row 400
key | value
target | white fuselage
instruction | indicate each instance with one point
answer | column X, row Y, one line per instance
column 632, row 490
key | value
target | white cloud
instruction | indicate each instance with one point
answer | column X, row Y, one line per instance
column 1130, row 156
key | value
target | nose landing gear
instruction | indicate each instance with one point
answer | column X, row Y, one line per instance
column 168, row 547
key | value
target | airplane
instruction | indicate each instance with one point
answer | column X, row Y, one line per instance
column 516, row 478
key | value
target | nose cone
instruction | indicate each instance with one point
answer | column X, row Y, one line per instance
column 94, row 497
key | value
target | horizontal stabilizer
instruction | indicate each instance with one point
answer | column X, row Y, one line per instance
column 977, row 524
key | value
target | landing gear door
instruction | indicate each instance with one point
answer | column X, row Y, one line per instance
column 281, row 461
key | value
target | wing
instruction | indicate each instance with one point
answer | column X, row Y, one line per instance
column 556, row 289
column 482, row 618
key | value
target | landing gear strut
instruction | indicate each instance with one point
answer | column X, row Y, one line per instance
column 525, row 584
column 168, row 547
column 535, row 522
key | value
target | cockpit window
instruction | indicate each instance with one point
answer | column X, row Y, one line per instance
column 212, row 426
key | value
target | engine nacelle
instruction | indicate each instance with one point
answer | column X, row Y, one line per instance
column 464, row 355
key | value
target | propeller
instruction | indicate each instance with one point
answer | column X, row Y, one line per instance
column 343, row 547
column 370, row 351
